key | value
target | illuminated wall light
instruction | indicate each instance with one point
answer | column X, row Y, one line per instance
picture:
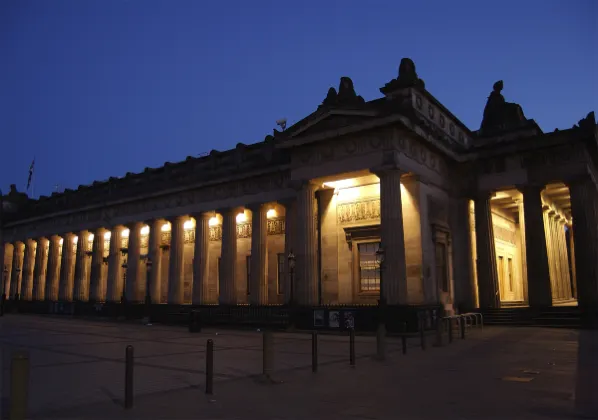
column 165, row 227
column 270, row 214
column 125, row 233
column 75, row 239
column 107, row 235
column 241, row 217
column 61, row 241
column 189, row 224
column 145, row 230
column 90, row 237
column 213, row 221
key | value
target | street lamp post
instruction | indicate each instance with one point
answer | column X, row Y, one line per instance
column 381, row 330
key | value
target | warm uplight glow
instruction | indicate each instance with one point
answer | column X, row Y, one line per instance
column 213, row 221
column 125, row 233
column 340, row 184
column 145, row 230
column 165, row 227
column 271, row 214
column 189, row 224
column 241, row 217
column 61, row 241
column 107, row 235
column 90, row 237
column 75, row 239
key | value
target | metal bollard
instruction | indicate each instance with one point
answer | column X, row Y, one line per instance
column 210, row 367
column 352, row 347
column 462, row 325
column 450, row 329
column 439, row 332
column 314, row 351
column 129, row 377
column 422, row 335
column 19, row 385
column 267, row 354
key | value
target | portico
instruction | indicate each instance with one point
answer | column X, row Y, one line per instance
column 505, row 215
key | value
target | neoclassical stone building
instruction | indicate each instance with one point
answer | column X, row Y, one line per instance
column 503, row 215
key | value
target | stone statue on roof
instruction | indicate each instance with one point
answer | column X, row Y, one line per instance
column 500, row 115
column 346, row 95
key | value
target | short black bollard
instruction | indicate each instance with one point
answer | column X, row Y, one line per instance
column 352, row 347
column 462, row 324
column 129, row 377
column 314, row 351
column 404, row 343
column 210, row 367
column 450, row 329
column 439, row 332
column 19, row 385
column 422, row 334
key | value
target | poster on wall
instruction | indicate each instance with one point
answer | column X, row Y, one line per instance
column 349, row 320
column 334, row 319
column 318, row 318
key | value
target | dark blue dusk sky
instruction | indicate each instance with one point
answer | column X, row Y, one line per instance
column 98, row 88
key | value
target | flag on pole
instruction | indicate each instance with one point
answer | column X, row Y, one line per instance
column 30, row 173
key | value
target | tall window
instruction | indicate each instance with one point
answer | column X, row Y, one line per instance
column 369, row 272
column 501, row 269
column 441, row 270
column 281, row 273
column 248, row 271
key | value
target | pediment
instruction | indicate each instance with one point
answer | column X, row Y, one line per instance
column 330, row 120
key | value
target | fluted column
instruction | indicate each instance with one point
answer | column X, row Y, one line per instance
column 81, row 289
column 290, row 225
column 7, row 268
column 523, row 249
column 584, row 209
column 17, row 269
column 572, row 260
column 394, row 278
column 133, row 263
column 306, row 268
column 538, row 271
column 96, row 286
column 201, row 257
column 40, row 270
column 553, row 252
column 259, row 255
column 155, row 255
column 489, row 294
column 65, row 290
column 228, row 259
column 564, row 257
column 175, row 264
column 115, row 277
column 53, row 271
column 28, row 267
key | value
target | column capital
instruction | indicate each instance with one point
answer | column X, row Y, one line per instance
column 256, row 207
column 235, row 210
column 134, row 225
column 301, row 184
column 203, row 215
column 178, row 218
column 530, row 188
column 578, row 179
column 484, row 195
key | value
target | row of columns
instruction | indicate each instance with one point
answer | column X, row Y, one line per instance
column 543, row 262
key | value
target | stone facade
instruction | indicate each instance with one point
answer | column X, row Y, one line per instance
column 502, row 215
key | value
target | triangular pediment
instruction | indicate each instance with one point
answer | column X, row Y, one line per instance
column 323, row 121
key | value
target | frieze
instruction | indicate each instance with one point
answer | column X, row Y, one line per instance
column 165, row 238
column 216, row 233
column 276, row 226
column 359, row 211
column 144, row 242
column 243, row 230
column 189, row 236
column 504, row 234
column 124, row 242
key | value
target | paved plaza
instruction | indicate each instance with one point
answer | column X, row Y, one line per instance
column 77, row 371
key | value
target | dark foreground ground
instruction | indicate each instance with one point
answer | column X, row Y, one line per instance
column 77, row 371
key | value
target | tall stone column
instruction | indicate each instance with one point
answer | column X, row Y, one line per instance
column 53, row 272
column 155, row 255
column 538, row 271
column 228, row 259
column 290, row 223
column 201, row 258
column 489, row 294
column 65, row 290
column 81, row 290
column 306, row 268
column 115, row 277
column 554, row 250
column 585, row 222
column 572, row 261
column 523, row 249
column 259, row 255
column 175, row 264
column 7, row 259
column 40, row 271
column 564, row 257
column 28, row 267
column 96, row 288
column 17, row 269
column 133, row 263
column 394, row 281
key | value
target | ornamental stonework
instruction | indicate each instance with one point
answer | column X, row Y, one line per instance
column 359, row 211
column 216, row 233
column 165, row 238
column 276, row 226
column 189, row 236
column 243, row 230
column 504, row 234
